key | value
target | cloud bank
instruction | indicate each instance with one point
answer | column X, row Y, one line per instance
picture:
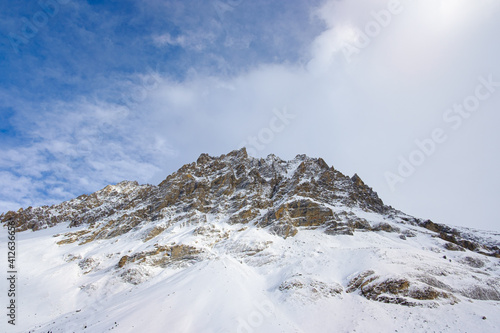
column 355, row 82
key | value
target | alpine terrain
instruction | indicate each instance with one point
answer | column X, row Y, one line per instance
column 240, row 244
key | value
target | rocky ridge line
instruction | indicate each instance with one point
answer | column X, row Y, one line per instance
column 281, row 196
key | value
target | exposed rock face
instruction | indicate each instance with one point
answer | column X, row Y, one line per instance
column 161, row 255
column 459, row 241
column 308, row 289
column 87, row 209
column 268, row 192
column 397, row 290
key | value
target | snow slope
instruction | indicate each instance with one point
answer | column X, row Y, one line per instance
column 232, row 292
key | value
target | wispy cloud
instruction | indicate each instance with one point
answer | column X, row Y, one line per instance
column 79, row 147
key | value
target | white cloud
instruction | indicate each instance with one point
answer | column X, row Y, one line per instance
column 362, row 115
column 167, row 39
column 197, row 41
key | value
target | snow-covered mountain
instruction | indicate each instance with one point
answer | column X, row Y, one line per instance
column 239, row 244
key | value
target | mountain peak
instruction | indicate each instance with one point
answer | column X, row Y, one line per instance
column 312, row 234
column 240, row 153
column 356, row 180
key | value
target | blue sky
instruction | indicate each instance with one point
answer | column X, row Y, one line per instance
column 96, row 92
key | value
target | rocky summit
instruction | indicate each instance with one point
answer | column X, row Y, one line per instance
column 240, row 244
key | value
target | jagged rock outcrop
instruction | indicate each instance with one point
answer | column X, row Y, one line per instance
column 271, row 193
column 397, row 290
column 268, row 192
